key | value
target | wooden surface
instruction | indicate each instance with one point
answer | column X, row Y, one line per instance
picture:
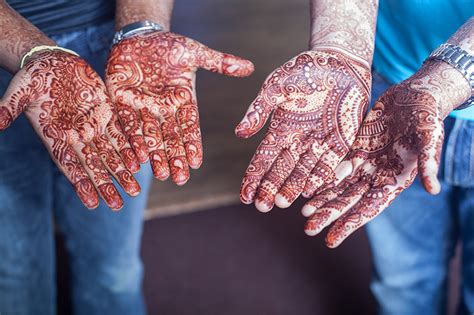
column 268, row 32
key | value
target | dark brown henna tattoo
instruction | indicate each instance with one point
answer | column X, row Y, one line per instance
column 319, row 99
column 401, row 137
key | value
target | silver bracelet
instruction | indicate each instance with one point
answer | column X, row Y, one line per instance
column 136, row 28
column 462, row 61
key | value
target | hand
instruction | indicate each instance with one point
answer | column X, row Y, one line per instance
column 151, row 79
column 318, row 99
column 67, row 105
column 401, row 136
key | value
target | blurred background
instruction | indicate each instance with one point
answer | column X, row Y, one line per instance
column 204, row 252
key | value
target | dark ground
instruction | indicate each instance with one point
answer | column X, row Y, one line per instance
column 233, row 260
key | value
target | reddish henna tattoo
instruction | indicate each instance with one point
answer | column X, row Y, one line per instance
column 67, row 105
column 151, row 80
column 400, row 137
column 319, row 98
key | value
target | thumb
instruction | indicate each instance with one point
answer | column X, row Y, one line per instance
column 428, row 162
column 13, row 102
column 227, row 64
column 255, row 118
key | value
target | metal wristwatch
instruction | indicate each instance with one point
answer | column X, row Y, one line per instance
column 459, row 59
column 136, row 28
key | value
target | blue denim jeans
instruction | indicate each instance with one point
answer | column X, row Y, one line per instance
column 413, row 240
column 103, row 246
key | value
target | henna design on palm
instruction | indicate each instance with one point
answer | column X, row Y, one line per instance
column 66, row 103
column 318, row 100
column 401, row 136
column 151, row 78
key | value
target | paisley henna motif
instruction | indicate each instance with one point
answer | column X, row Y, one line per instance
column 318, row 98
column 67, row 105
column 401, row 136
column 151, row 79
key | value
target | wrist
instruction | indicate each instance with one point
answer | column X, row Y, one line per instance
column 445, row 83
column 366, row 60
column 163, row 22
column 132, row 11
column 14, row 65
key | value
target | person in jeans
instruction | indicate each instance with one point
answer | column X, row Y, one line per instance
column 322, row 145
column 62, row 126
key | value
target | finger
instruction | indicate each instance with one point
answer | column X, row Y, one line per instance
column 14, row 101
column 264, row 156
column 321, row 199
column 130, row 122
column 322, row 173
column 374, row 201
column 115, row 166
column 188, row 119
column 256, row 116
column 175, row 150
column 295, row 183
column 429, row 159
column 334, row 208
column 274, row 179
column 119, row 141
column 322, row 196
column 94, row 167
column 68, row 162
column 155, row 145
column 227, row 64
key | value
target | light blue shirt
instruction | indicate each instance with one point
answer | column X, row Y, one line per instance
column 407, row 32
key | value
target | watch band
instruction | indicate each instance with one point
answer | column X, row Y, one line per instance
column 136, row 28
column 459, row 59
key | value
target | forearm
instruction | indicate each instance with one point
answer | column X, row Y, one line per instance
column 345, row 25
column 130, row 11
column 17, row 37
column 447, row 85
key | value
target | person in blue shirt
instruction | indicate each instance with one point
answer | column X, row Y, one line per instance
column 320, row 145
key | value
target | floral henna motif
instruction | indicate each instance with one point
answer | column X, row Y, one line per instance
column 151, row 80
column 318, row 98
column 401, row 136
column 67, row 105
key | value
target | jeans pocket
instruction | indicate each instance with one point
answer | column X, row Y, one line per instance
column 459, row 158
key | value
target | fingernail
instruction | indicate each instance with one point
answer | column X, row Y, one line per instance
column 111, row 196
column 140, row 148
column 130, row 160
column 308, row 210
column 128, row 183
column 87, row 194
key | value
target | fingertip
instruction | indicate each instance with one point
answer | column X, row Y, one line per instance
column 195, row 163
column 238, row 67
column 245, row 201
column 262, row 206
column 281, row 201
column 431, row 185
column 5, row 118
column 308, row 210
column 111, row 196
column 310, row 232
column 139, row 146
column 242, row 130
